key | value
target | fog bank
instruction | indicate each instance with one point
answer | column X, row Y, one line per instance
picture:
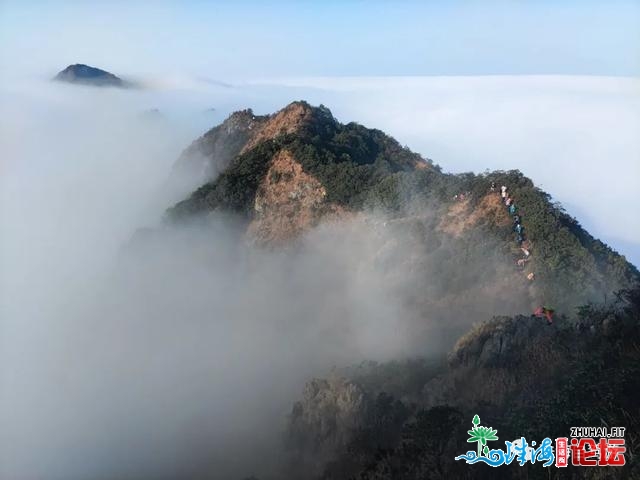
column 178, row 353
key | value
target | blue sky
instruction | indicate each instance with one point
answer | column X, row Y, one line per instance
column 570, row 121
column 248, row 39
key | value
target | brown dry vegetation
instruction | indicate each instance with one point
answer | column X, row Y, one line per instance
column 286, row 121
column 289, row 201
column 461, row 216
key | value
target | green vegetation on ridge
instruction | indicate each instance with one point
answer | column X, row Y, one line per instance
column 363, row 168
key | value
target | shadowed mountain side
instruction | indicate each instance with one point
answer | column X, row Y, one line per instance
column 408, row 420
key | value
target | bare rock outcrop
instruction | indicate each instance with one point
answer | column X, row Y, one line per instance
column 288, row 202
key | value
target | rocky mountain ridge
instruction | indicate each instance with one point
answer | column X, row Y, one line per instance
column 291, row 171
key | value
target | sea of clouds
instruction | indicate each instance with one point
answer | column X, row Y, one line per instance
column 188, row 354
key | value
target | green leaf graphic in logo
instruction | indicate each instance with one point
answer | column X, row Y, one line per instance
column 481, row 435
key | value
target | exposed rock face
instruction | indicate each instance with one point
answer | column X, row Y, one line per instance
column 461, row 217
column 289, row 202
column 496, row 342
column 288, row 120
column 329, row 411
column 324, row 420
column 86, row 75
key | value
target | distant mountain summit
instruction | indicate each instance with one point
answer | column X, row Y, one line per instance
column 86, row 75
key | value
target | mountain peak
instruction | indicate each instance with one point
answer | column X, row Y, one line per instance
column 289, row 120
column 287, row 172
column 297, row 139
column 299, row 122
column 87, row 75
